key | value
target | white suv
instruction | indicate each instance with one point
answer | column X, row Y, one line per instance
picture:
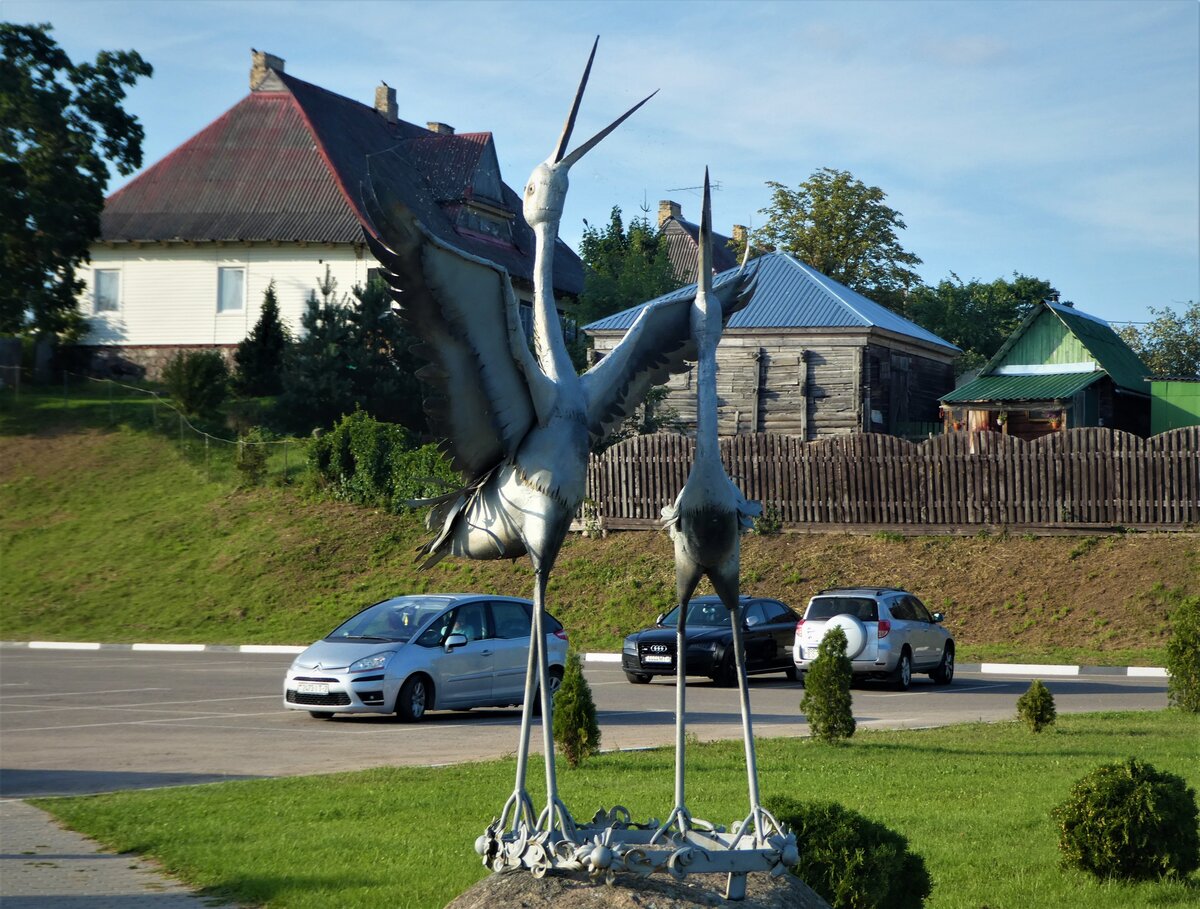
column 889, row 634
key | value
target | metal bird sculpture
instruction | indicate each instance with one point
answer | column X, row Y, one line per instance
column 706, row 522
column 518, row 424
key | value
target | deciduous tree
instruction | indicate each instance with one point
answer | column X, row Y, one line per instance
column 622, row 266
column 845, row 230
column 61, row 125
column 1170, row 343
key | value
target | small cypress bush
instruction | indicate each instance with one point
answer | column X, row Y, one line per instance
column 197, row 380
column 1036, row 707
column 1183, row 656
column 826, row 700
column 850, row 860
column 1129, row 820
column 251, row 457
column 576, row 729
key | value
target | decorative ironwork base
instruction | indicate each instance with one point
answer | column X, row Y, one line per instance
column 612, row 843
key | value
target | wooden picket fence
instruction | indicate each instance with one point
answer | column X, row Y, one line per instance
column 1090, row 477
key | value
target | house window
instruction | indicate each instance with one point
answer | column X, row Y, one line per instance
column 231, row 289
column 106, row 290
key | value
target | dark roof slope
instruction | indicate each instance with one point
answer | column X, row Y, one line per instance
column 791, row 294
column 683, row 248
column 292, row 165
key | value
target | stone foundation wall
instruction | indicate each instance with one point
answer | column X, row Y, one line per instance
column 145, row 361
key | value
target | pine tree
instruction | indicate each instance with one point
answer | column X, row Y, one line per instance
column 259, row 358
column 826, row 700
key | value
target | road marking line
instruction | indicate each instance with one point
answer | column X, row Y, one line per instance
column 61, row 694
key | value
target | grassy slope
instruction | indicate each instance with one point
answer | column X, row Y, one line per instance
column 110, row 535
column 973, row 800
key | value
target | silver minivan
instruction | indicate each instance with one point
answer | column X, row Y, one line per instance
column 889, row 634
column 411, row 654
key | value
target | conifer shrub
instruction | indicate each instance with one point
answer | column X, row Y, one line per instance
column 197, row 380
column 826, row 700
column 851, row 860
column 251, row 457
column 1036, row 707
column 1183, row 656
column 258, row 360
column 576, row 729
column 1128, row 820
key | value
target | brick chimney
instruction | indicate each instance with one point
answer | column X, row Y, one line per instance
column 739, row 235
column 385, row 102
column 668, row 209
column 442, row 129
column 261, row 76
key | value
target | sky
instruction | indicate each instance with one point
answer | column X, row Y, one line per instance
column 1055, row 139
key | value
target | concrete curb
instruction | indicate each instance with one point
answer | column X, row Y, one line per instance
column 1023, row 669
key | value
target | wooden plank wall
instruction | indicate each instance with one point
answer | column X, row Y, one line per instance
column 1092, row 476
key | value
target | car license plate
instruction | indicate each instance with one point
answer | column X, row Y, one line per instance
column 312, row 687
column 657, row 658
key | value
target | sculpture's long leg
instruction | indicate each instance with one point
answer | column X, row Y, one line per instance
column 739, row 653
column 685, row 583
column 555, row 814
column 519, row 803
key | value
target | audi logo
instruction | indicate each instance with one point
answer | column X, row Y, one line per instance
column 657, row 648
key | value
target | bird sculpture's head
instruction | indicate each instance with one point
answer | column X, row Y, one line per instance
column 706, row 312
column 546, row 192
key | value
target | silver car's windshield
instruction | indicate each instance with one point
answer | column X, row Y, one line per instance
column 392, row 620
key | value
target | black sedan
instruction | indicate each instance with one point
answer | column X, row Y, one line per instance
column 769, row 630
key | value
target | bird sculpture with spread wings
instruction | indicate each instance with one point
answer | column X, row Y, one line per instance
column 519, row 424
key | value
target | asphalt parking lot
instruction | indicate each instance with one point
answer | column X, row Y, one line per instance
column 76, row 722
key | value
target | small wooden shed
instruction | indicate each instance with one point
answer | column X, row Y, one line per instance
column 809, row 357
column 1061, row 369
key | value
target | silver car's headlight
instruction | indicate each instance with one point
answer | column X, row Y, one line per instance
column 375, row 661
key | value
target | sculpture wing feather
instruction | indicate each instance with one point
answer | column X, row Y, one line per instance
column 465, row 313
column 657, row 345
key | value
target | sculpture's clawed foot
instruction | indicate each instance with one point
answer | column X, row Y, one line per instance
column 679, row 818
column 760, row 824
column 556, row 817
column 516, row 811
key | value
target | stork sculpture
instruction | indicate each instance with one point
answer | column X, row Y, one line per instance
column 518, row 425
column 706, row 522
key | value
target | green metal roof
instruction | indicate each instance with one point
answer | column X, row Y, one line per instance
column 999, row 389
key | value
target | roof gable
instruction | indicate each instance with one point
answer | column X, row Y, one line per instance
column 683, row 248
column 1055, row 339
column 790, row 294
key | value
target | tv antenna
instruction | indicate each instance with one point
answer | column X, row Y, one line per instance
column 716, row 184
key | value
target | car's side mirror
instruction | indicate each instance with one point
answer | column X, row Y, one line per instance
column 938, row 617
column 455, row 640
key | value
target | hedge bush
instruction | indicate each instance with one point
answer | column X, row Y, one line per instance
column 251, row 456
column 197, row 380
column 851, row 860
column 576, row 728
column 368, row 462
column 1036, row 707
column 826, row 702
column 1183, row 656
column 1129, row 820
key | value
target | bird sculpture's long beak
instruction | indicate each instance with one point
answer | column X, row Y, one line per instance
column 705, row 278
column 560, row 156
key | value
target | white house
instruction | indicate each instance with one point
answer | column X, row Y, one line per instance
column 273, row 190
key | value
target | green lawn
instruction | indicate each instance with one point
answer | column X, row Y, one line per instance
column 973, row 800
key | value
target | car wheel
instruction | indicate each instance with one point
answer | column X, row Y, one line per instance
column 726, row 674
column 792, row 673
column 320, row 714
column 902, row 676
column 556, row 677
column 944, row 674
column 414, row 697
column 638, row 678
column 855, row 631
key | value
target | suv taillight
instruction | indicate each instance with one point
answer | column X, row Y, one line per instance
column 885, row 626
column 799, row 626
column 561, row 634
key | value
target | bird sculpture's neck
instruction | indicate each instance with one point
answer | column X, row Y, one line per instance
column 706, row 326
column 547, row 330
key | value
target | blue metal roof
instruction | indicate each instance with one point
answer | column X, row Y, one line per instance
column 790, row 294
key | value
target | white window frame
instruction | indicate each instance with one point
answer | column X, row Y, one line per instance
column 240, row 308
column 96, row 302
